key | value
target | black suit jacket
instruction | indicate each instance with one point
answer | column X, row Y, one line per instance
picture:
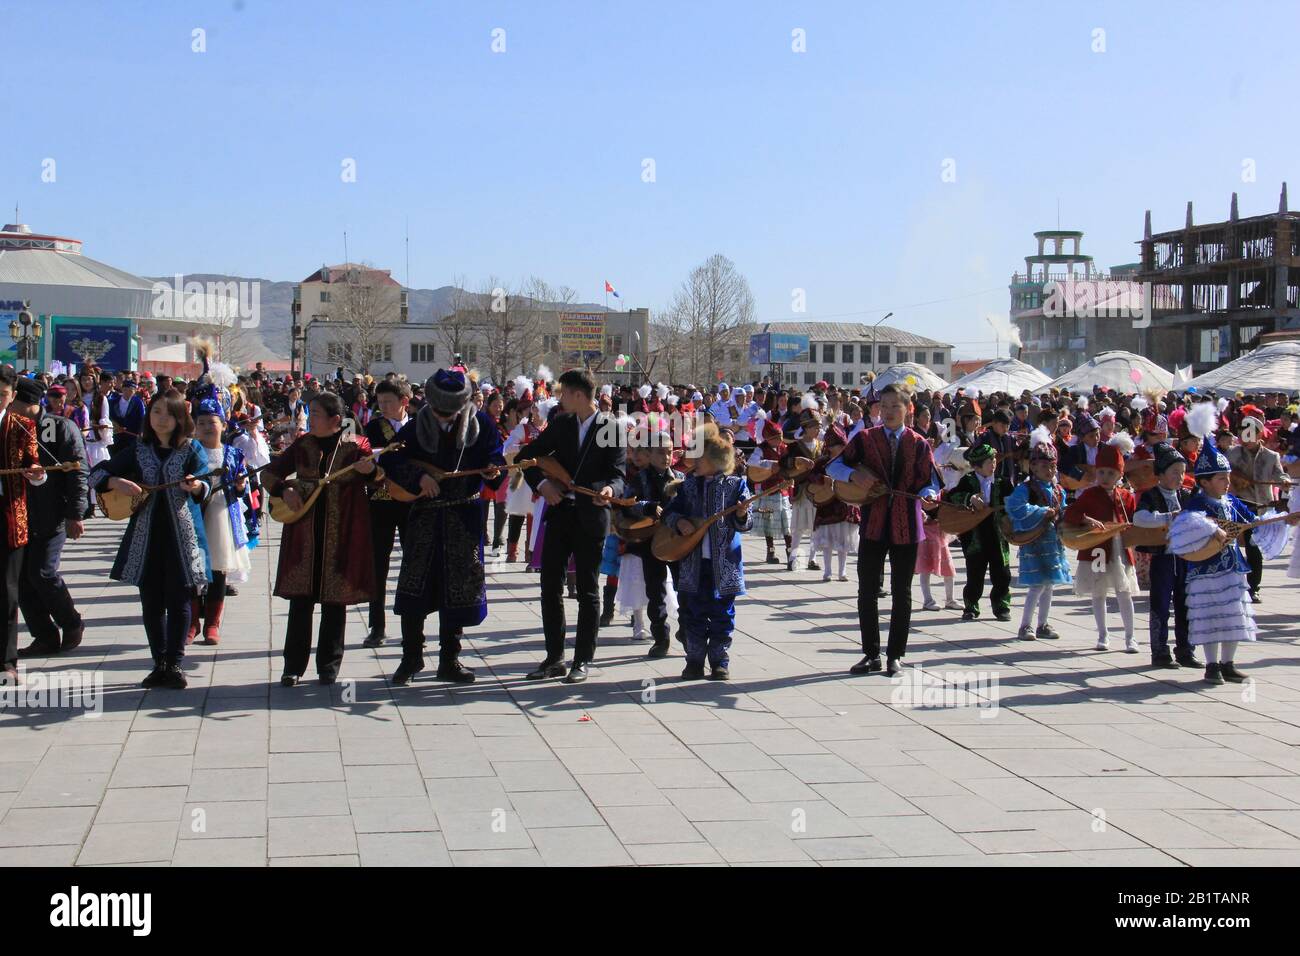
column 600, row 462
column 64, row 494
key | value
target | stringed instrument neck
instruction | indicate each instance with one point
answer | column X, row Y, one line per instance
column 61, row 466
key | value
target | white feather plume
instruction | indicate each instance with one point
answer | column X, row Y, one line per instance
column 522, row 384
column 544, row 374
column 661, row 390
column 222, row 375
column 808, row 402
column 1223, row 405
column 1040, row 436
column 1202, row 419
column 1123, row 441
column 1137, row 403
column 1106, row 412
column 545, row 405
column 1082, row 402
column 644, row 390
column 671, row 399
column 760, row 415
column 607, row 390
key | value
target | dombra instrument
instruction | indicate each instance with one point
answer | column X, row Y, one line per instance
column 399, row 493
column 763, row 472
column 633, row 530
column 1083, row 538
column 283, row 513
column 669, row 545
column 556, row 472
column 1241, row 483
column 118, row 505
column 1086, row 480
column 1234, row 530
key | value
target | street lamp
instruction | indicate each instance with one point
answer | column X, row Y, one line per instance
column 873, row 343
column 26, row 333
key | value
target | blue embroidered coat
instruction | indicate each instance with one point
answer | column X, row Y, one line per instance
column 699, row 498
column 1042, row 561
column 1227, row 508
column 140, row 463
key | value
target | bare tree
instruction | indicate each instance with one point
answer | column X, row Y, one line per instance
column 236, row 341
column 714, row 311
column 359, row 320
column 463, row 326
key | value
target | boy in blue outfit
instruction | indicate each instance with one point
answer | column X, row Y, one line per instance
column 710, row 577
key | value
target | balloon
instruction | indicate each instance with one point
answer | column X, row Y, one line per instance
column 1135, row 374
column 911, row 380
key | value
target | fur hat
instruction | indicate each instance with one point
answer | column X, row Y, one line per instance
column 447, row 392
column 715, row 447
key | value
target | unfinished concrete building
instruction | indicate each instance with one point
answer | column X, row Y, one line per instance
column 1215, row 288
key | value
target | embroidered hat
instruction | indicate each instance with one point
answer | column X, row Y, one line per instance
column 981, row 452
column 1211, row 461
column 1166, row 457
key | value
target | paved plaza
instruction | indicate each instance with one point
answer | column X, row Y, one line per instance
column 1060, row 754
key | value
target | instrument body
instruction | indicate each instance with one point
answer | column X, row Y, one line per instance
column 283, row 513
column 1083, row 538
column 556, row 472
column 119, row 506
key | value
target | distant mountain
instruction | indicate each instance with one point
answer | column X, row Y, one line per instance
column 425, row 305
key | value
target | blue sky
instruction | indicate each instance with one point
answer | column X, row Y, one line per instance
column 818, row 171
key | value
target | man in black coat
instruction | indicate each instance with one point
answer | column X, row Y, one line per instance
column 387, row 515
column 56, row 511
column 590, row 447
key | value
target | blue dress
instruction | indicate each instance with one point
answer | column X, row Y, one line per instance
column 1043, row 560
column 1218, row 596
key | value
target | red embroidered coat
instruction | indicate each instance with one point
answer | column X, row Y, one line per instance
column 1106, row 507
column 348, row 570
column 18, row 441
column 893, row 517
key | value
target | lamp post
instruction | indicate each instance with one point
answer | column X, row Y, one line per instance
column 26, row 333
column 873, row 343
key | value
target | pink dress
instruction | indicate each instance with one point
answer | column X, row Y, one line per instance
column 933, row 557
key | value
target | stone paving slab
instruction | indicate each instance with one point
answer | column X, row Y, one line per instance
column 1086, row 757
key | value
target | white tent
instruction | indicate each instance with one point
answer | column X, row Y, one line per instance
column 1002, row 375
column 1270, row 368
column 1118, row 370
column 926, row 380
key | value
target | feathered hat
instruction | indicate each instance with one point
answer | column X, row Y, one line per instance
column 1111, row 454
column 1202, row 420
column 1041, row 445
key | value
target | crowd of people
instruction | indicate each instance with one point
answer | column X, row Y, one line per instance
column 650, row 486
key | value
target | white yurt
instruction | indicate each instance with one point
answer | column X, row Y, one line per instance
column 1117, row 370
column 1002, row 375
column 924, row 378
column 1274, row 367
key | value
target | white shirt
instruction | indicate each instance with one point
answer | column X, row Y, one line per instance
column 986, row 487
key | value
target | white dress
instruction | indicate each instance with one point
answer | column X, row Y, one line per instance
column 97, row 451
column 631, row 594
column 519, row 500
column 1293, row 569
column 1096, row 578
column 216, row 525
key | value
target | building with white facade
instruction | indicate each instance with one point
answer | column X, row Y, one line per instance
column 842, row 353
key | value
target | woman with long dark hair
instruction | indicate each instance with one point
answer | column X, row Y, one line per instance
column 164, row 550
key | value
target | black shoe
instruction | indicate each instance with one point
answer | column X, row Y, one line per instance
column 173, row 678
column 1230, row 673
column 814, row 566
column 289, row 680
column 546, row 669
column 607, row 617
column 375, row 638
column 693, row 671
column 72, row 637
column 720, row 673
column 231, row 591
column 155, row 677
column 772, row 558
column 407, row 669
column 658, row 649
column 40, row 648
column 882, row 593
column 1255, row 598
column 1168, row 663
column 1002, row 615
column 455, row 671
column 970, row 615
column 577, row 674
column 326, row 679
column 894, row 668
column 1188, row 660
column 866, row 666
column 1213, row 675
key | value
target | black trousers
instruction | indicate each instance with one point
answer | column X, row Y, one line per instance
column 165, row 597
column 329, row 642
column 46, row 604
column 564, row 537
column 12, row 567
column 386, row 519
column 979, row 562
column 656, row 589
column 902, row 567
column 1255, row 577
column 413, row 638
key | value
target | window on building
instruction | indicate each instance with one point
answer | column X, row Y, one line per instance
column 423, row 353
column 792, row 378
column 551, row 344
column 470, row 354
column 846, row 356
column 809, row 378
column 324, row 296
column 938, row 360
column 846, row 378
column 338, row 353
column 613, row 345
column 378, row 353
column 812, row 351
column 882, row 353
column 828, row 377
column 828, row 352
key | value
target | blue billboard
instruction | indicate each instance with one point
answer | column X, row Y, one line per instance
column 106, row 344
column 776, row 348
